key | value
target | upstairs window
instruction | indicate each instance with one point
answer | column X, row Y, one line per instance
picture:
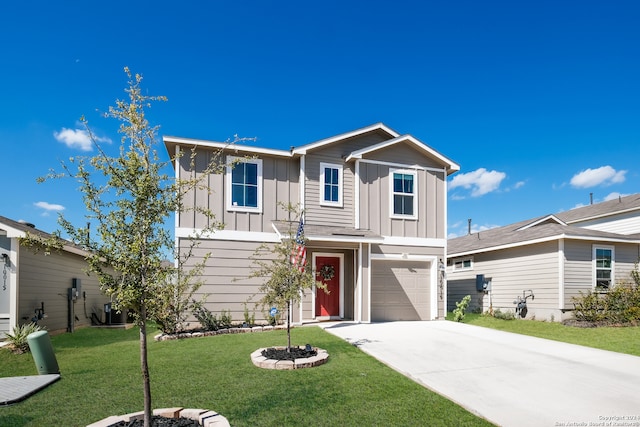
column 603, row 259
column 461, row 264
column 244, row 184
column 403, row 193
column 331, row 184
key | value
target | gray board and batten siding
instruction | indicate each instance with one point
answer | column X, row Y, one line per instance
column 280, row 183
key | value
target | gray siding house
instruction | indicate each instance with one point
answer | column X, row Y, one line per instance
column 32, row 281
column 555, row 258
column 375, row 206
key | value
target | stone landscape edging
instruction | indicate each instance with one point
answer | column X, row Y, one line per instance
column 307, row 362
column 205, row 417
column 236, row 330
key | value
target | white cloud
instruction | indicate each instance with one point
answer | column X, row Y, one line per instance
column 480, row 181
column 49, row 207
column 605, row 175
column 614, row 195
column 77, row 138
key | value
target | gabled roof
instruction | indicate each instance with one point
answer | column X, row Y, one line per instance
column 19, row 229
column 549, row 227
column 394, row 138
column 450, row 165
column 524, row 233
column 550, row 219
column 600, row 210
column 378, row 127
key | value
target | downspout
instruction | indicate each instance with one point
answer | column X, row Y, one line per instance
column 356, row 186
column 177, row 212
column 561, row 274
column 14, row 276
column 302, row 180
column 446, row 233
column 359, row 284
column 303, row 175
column 369, row 282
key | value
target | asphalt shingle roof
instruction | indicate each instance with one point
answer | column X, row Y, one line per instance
column 548, row 228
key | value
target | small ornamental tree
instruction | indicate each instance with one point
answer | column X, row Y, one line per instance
column 129, row 200
column 284, row 266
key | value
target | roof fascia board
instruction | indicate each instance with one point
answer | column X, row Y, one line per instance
column 543, row 240
column 12, row 232
column 378, row 126
column 452, row 166
column 227, row 146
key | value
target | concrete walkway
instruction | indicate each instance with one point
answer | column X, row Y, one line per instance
column 16, row 389
column 509, row 379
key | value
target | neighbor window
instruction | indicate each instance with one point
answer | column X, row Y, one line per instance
column 403, row 193
column 603, row 258
column 331, row 184
column 244, row 184
column 460, row 264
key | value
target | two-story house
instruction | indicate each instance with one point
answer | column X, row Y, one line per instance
column 375, row 206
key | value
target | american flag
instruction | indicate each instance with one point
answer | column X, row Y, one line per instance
column 299, row 252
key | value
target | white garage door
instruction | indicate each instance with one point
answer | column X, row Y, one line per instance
column 400, row 290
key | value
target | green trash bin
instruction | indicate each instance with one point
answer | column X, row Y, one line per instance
column 42, row 351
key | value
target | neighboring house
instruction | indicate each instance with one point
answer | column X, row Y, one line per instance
column 375, row 206
column 50, row 285
column 554, row 257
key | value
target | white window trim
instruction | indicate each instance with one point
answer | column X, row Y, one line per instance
column 613, row 266
column 461, row 259
column 415, row 193
column 324, row 202
column 230, row 206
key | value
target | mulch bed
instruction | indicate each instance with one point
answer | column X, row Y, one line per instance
column 157, row 421
column 293, row 353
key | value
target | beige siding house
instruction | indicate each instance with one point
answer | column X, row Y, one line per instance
column 375, row 210
column 53, row 284
column 554, row 258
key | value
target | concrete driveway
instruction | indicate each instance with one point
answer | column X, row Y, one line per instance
column 508, row 379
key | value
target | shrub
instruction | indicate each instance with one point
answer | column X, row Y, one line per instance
column 249, row 319
column 507, row 315
column 621, row 304
column 207, row 319
column 18, row 339
column 210, row 321
column 461, row 307
column 225, row 319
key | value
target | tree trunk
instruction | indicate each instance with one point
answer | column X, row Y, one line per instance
column 288, row 326
column 144, row 365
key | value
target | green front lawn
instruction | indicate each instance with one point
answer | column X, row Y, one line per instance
column 618, row 339
column 101, row 377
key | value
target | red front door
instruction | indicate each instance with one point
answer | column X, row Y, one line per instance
column 328, row 272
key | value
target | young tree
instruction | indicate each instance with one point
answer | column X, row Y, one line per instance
column 285, row 268
column 129, row 200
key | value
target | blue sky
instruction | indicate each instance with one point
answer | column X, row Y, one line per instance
column 537, row 101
